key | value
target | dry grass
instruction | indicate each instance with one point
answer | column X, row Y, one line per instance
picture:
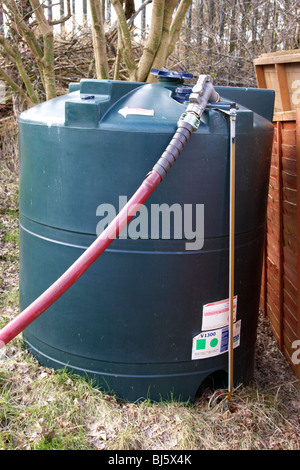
column 43, row 409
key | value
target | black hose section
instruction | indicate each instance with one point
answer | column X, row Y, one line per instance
column 187, row 124
column 173, row 150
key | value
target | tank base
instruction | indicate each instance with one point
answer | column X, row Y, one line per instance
column 179, row 386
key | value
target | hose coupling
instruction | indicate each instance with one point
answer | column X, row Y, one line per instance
column 202, row 93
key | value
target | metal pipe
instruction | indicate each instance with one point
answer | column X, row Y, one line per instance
column 187, row 124
column 231, row 247
column 232, row 133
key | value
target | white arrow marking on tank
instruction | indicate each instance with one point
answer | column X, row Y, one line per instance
column 138, row 111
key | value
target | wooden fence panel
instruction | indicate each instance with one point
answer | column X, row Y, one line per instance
column 280, row 290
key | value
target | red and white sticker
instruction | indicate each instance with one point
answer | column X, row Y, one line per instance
column 216, row 314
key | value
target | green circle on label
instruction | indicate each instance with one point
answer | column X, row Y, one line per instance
column 214, row 342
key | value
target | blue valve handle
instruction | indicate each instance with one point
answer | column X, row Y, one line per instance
column 164, row 73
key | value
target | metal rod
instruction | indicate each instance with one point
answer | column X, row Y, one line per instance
column 231, row 247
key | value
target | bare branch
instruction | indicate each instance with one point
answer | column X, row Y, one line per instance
column 65, row 18
column 15, row 87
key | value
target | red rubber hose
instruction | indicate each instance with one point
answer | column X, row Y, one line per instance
column 56, row 290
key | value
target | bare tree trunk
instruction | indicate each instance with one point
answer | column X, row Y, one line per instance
column 62, row 14
column 129, row 8
column 211, row 14
column 84, row 10
column 143, row 22
column 188, row 30
column 162, row 52
column 153, row 41
column 102, row 6
column 124, row 32
column 49, row 3
column 1, row 22
column 222, row 20
column 199, row 23
column 233, row 36
column 177, row 23
column 255, row 14
column 108, row 12
column 74, row 15
column 275, row 24
column 99, row 40
column 47, row 61
column 267, row 40
column 118, row 57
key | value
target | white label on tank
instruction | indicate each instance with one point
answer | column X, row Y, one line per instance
column 216, row 314
column 137, row 111
column 215, row 342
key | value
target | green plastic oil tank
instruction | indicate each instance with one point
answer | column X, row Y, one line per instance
column 149, row 318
